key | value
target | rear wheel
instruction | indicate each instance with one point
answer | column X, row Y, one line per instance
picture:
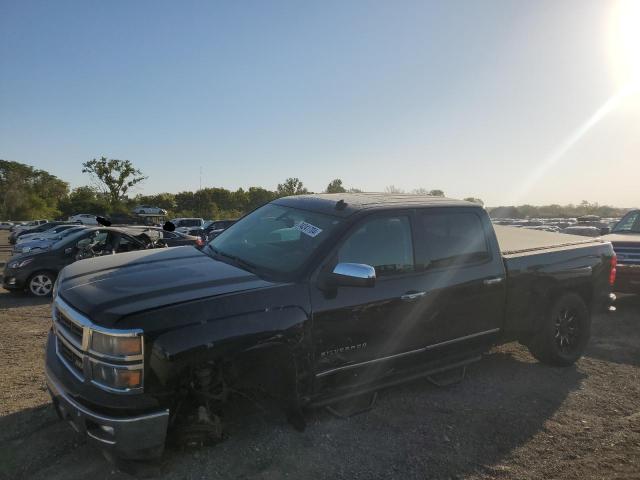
column 41, row 284
column 563, row 333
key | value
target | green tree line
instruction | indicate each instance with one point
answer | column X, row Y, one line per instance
column 28, row 193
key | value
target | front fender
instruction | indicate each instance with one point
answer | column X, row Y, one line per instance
column 274, row 329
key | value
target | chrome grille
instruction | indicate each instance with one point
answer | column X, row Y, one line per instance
column 73, row 328
column 71, row 359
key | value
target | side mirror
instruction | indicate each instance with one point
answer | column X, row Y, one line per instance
column 353, row 275
column 605, row 230
column 68, row 250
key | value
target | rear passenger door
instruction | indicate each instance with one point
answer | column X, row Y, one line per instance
column 462, row 280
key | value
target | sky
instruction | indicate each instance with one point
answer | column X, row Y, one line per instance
column 510, row 101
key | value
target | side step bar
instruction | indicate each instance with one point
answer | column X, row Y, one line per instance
column 393, row 382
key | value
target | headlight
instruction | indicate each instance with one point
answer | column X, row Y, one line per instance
column 54, row 291
column 26, row 249
column 116, row 345
column 20, row 263
column 116, row 377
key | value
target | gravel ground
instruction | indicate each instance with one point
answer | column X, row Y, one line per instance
column 511, row 418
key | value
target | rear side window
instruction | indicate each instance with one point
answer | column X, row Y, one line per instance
column 453, row 239
column 383, row 243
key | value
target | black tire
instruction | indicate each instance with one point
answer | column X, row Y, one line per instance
column 40, row 284
column 564, row 333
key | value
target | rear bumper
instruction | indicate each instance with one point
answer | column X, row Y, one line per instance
column 140, row 437
column 627, row 279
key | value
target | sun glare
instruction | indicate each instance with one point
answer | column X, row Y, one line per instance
column 625, row 36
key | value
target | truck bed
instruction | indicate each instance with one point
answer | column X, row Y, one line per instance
column 514, row 240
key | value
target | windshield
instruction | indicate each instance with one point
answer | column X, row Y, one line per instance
column 191, row 222
column 274, row 238
column 629, row 223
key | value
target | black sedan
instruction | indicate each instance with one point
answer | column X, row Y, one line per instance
column 36, row 271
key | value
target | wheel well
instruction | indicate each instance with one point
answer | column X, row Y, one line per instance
column 53, row 273
column 583, row 291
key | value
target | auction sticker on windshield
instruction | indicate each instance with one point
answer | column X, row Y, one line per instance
column 308, row 229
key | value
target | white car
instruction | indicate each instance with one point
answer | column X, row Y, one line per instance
column 149, row 210
column 5, row 225
column 183, row 225
column 84, row 218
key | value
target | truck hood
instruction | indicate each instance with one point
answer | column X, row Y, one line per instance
column 108, row 288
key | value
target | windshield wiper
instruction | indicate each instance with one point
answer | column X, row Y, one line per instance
column 251, row 267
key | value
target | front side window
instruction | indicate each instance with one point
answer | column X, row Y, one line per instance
column 383, row 243
column 275, row 238
column 453, row 239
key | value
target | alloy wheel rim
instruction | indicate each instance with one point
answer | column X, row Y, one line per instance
column 41, row 285
column 566, row 330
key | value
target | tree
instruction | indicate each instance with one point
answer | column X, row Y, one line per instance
column 27, row 193
column 474, row 200
column 84, row 200
column 393, row 189
column 163, row 200
column 335, row 186
column 291, row 186
column 114, row 177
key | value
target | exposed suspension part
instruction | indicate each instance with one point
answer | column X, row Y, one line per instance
column 202, row 425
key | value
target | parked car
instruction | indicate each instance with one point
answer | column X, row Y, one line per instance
column 313, row 299
column 583, row 230
column 625, row 237
column 6, row 225
column 171, row 239
column 43, row 227
column 216, row 228
column 36, row 270
column 22, row 225
column 183, row 225
column 149, row 210
column 43, row 241
column 49, row 233
column 84, row 218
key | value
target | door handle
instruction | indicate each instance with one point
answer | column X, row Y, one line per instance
column 411, row 296
column 492, row 281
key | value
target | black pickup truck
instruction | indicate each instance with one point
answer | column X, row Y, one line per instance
column 309, row 299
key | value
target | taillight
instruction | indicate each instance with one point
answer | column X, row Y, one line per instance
column 613, row 271
column 199, row 242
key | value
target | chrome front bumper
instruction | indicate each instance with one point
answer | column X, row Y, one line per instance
column 137, row 438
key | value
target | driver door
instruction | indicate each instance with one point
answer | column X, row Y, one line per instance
column 356, row 329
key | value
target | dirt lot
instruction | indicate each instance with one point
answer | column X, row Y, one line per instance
column 512, row 418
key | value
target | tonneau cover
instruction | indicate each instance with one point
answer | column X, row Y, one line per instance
column 514, row 240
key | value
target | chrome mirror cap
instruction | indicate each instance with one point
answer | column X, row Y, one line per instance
column 354, row 275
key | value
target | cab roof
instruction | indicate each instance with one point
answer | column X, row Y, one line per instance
column 346, row 204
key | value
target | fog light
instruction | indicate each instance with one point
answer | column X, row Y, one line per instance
column 107, row 429
column 11, row 281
